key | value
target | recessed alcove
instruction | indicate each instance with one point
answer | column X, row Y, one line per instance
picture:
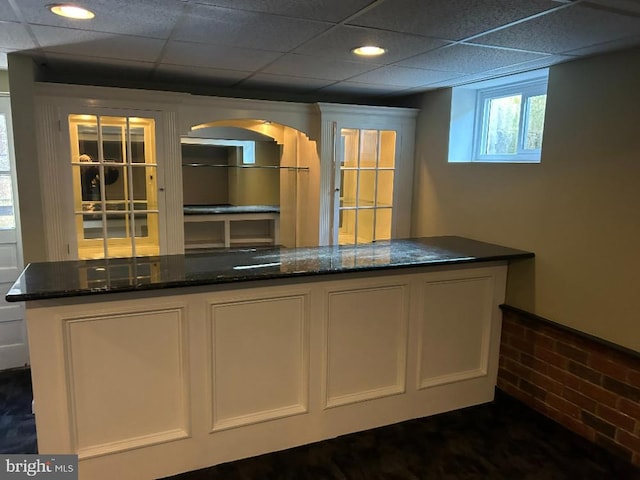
column 241, row 184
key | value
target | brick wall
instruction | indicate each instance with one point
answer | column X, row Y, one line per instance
column 589, row 386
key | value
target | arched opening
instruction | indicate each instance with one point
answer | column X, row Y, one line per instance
column 249, row 183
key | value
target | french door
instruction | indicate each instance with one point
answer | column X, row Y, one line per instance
column 365, row 183
column 115, row 189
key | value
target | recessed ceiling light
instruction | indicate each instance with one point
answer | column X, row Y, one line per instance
column 71, row 11
column 369, row 51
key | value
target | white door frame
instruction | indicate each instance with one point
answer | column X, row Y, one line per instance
column 14, row 350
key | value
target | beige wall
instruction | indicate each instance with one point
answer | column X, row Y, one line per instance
column 577, row 209
column 202, row 185
column 4, row 81
column 22, row 75
column 257, row 186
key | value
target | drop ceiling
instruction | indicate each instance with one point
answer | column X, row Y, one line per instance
column 305, row 46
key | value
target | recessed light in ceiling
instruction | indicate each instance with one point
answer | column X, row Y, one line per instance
column 369, row 51
column 71, row 11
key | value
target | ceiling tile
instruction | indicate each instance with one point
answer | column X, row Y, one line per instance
column 449, row 19
column 527, row 66
column 210, row 56
column 338, row 43
column 6, row 12
column 283, row 82
column 620, row 44
column 325, row 10
column 632, row 6
column 223, row 26
column 312, row 67
column 13, row 36
column 468, row 58
column 148, row 18
column 94, row 44
column 98, row 67
column 402, row 76
column 361, row 89
column 212, row 76
column 565, row 30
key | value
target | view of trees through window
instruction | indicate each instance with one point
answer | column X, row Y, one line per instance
column 511, row 127
column 7, row 218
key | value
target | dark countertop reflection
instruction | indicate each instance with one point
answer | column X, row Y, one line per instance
column 92, row 277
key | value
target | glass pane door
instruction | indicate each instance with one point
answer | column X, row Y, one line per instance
column 115, row 186
column 366, row 185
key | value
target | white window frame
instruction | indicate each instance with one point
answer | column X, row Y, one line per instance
column 526, row 89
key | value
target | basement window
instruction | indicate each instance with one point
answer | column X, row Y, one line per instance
column 500, row 120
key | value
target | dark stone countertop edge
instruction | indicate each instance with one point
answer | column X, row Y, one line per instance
column 257, row 275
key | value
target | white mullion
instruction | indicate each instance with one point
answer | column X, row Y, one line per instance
column 103, row 200
column 129, row 160
column 355, row 225
column 521, row 123
column 375, row 186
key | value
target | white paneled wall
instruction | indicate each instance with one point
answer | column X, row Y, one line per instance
column 153, row 384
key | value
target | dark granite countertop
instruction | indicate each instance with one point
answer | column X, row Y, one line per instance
column 46, row 280
column 225, row 209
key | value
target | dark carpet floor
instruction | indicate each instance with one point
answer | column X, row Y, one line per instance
column 17, row 424
column 502, row 440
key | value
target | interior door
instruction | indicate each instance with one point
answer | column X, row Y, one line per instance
column 115, row 186
column 13, row 344
column 365, row 173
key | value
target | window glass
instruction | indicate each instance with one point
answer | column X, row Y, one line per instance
column 502, row 125
column 535, row 122
column 4, row 144
column 7, row 219
column 115, row 183
column 366, row 185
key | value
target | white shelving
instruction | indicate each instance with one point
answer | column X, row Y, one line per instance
column 220, row 230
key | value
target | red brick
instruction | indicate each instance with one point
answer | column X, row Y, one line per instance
column 547, row 383
column 599, row 394
column 548, row 411
column 519, row 394
column 556, row 373
column 579, row 399
column 584, row 372
column 521, row 344
column 563, row 406
column 574, row 382
column 578, row 427
column 509, row 352
column 616, row 418
column 632, row 442
column 622, row 388
column 630, row 408
column 572, row 352
column 513, row 328
column 604, row 364
column 517, row 368
column 539, row 339
column 507, row 387
column 599, row 425
column 551, row 357
column 531, row 389
column 534, row 363
column 506, row 376
column 613, row 447
column 633, row 377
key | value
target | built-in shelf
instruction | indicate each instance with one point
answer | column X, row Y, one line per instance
column 223, row 230
column 272, row 167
